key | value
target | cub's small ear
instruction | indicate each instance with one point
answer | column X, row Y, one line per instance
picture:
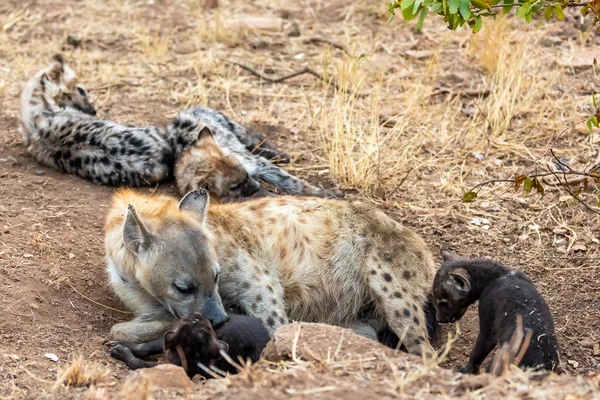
column 171, row 338
column 460, row 280
column 58, row 58
column 448, row 256
column 44, row 78
column 196, row 202
column 136, row 235
column 205, row 133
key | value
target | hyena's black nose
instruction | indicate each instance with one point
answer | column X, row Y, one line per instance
column 250, row 187
column 214, row 312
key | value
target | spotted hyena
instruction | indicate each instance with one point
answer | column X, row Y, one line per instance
column 62, row 132
column 205, row 165
column 275, row 258
column 252, row 151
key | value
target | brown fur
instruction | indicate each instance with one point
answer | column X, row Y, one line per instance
column 311, row 271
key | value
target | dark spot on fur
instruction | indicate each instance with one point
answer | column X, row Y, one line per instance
column 254, row 306
column 373, row 272
column 397, row 313
column 406, row 313
column 416, row 320
column 398, row 295
column 385, row 289
column 270, row 321
column 415, row 307
column 245, row 285
column 118, row 166
column 75, row 163
column 387, row 277
column 270, row 288
column 420, row 339
column 273, row 301
column 67, row 154
column 259, row 298
column 274, row 314
column 281, row 320
column 406, row 275
column 104, row 160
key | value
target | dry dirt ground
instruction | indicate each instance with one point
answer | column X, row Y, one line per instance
column 419, row 118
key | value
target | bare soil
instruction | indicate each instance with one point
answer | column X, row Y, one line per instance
column 53, row 289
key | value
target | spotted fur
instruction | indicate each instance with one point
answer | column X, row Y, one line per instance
column 249, row 148
column 275, row 258
column 62, row 132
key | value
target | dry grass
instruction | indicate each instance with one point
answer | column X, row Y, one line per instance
column 145, row 62
column 82, row 373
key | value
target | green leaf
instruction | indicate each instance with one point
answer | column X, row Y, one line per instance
column 465, row 8
column 470, row 196
column 527, row 186
column 416, row 6
column 477, row 24
column 508, row 5
column 529, row 16
column 559, row 12
column 548, row 13
column 594, row 102
column 424, row 12
column 523, row 10
column 406, row 4
column 408, row 15
column 453, row 6
column 592, row 121
column 598, row 204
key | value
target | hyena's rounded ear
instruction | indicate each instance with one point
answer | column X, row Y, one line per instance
column 448, row 256
column 196, row 202
column 136, row 235
column 460, row 280
column 223, row 346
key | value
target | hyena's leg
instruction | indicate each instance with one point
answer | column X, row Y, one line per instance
column 288, row 183
column 124, row 354
column 143, row 350
column 401, row 306
column 139, row 330
column 257, row 293
column 258, row 145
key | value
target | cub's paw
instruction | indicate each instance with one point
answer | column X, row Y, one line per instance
column 120, row 352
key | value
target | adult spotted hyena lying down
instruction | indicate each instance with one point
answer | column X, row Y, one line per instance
column 276, row 258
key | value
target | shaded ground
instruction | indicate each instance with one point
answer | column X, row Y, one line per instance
column 144, row 62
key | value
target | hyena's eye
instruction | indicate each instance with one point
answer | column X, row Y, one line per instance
column 185, row 288
column 217, row 277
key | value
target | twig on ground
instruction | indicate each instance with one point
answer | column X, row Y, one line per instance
column 305, row 70
column 319, row 40
column 461, row 93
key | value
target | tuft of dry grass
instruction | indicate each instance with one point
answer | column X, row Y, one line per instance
column 82, row 373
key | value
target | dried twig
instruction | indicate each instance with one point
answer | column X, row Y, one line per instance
column 461, row 93
column 319, row 40
column 303, row 71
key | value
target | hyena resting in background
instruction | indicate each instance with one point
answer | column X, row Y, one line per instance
column 246, row 146
column 61, row 131
column 275, row 258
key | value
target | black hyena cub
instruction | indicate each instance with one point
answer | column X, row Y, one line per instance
column 193, row 341
column 503, row 293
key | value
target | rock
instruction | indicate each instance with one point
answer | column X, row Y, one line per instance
column 294, row 30
column 162, row 376
column 40, row 172
column 580, row 60
column 320, row 342
column 269, row 24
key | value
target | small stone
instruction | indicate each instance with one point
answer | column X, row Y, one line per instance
column 162, row 376
column 27, row 255
column 71, row 256
column 14, row 357
column 294, row 30
column 51, row 356
column 40, row 172
column 259, row 44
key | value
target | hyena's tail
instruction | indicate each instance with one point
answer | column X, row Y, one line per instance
column 388, row 338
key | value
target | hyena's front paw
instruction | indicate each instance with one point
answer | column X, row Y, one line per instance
column 332, row 193
column 467, row 369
